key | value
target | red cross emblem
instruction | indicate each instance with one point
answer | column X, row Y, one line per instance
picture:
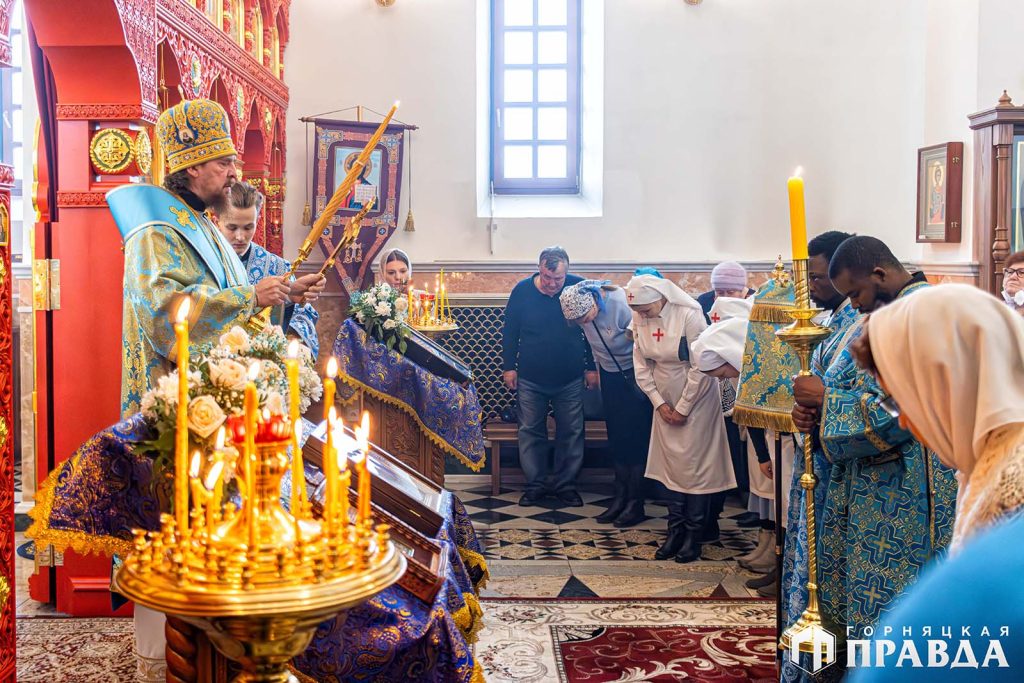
column 658, row 335
column 630, row 296
column 714, row 317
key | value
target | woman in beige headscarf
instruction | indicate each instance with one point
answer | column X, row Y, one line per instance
column 952, row 358
column 396, row 269
column 689, row 450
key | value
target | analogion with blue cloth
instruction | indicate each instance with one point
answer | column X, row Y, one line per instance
column 447, row 412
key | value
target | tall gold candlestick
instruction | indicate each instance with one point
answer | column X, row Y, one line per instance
column 298, row 469
column 804, row 335
column 218, row 456
column 249, row 455
column 181, row 431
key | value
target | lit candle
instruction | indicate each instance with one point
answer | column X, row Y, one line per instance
column 249, row 453
column 344, row 479
column 198, row 493
column 298, row 470
column 408, row 310
column 331, row 473
column 214, row 481
column 329, row 386
column 181, row 433
column 797, row 216
column 437, row 290
column 363, row 435
column 218, row 456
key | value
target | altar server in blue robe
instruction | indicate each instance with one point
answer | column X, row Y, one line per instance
column 889, row 503
column 237, row 222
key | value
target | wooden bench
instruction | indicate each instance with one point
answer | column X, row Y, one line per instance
column 595, row 433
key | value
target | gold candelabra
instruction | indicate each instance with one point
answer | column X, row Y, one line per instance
column 256, row 578
column 431, row 313
column 804, row 335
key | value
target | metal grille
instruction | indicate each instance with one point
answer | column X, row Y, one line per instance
column 478, row 343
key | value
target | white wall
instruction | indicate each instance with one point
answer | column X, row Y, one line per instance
column 707, row 110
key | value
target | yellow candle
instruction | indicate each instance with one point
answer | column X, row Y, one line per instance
column 213, row 481
column 409, row 311
column 194, row 469
column 331, row 474
column 797, row 216
column 249, row 454
column 298, row 470
column 363, row 433
column 329, row 386
column 181, row 431
column 218, row 456
column 344, row 479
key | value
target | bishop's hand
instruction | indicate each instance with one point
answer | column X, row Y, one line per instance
column 271, row 291
column 307, row 288
column 808, row 391
column 805, row 419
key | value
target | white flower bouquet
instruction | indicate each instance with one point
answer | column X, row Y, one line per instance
column 217, row 377
column 382, row 311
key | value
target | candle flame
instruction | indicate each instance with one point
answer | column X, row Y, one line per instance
column 213, row 475
column 219, row 443
column 332, row 417
column 397, row 103
column 799, row 172
column 254, row 371
column 193, row 468
column 365, row 423
column 183, row 309
column 266, row 414
column 293, row 349
column 332, row 367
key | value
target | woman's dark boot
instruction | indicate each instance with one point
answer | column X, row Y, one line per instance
column 676, row 531
column 697, row 511
column 620, row 498
column 633, row 513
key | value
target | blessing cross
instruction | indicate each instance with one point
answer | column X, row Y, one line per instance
column 714, row 317
column 658, row 335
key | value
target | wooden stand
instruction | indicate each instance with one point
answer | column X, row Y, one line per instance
column 398, row 433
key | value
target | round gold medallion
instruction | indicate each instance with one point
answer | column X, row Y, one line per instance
column 110, row 150
column 143, row 152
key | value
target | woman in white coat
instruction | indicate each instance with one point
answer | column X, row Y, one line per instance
column 689, row 450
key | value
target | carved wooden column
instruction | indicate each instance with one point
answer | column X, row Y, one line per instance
column 993, row 178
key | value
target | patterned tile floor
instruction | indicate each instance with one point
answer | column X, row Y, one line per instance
column 549, row 550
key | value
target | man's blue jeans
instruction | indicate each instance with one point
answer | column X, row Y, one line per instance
column 566, row 402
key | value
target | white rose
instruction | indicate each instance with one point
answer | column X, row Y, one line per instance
column 275, row 404
column 204, row 416
column 370, row 300
column 230, row 374
column 385, row 289
column 402, row 305
column 390, row 324
column 236, row 339
column 360, row 317
column 167, row 388
column 383, row 308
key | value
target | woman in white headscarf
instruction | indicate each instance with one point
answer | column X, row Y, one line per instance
column 689, row 450
column 952, row 359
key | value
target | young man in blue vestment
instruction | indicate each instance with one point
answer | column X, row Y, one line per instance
column 237, row 222
column 888, row 503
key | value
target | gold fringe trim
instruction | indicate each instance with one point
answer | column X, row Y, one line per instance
column 478, row 673
column 771, row 313
column 434, row 438
column 469, row 617
column 763, row 419
column 475, row 560
column 79, row 541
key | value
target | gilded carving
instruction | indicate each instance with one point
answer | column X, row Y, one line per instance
column 196, row 76
column 143, row 152
column 111, row 150
column 239, row 103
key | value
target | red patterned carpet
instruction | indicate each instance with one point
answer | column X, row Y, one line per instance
column 710, row 654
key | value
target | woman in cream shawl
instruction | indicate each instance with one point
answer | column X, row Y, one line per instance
column 952, row 358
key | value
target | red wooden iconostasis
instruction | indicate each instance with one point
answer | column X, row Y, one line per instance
column 114, row 64
column 7, row 399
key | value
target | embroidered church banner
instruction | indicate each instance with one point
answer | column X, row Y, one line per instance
column 338, row 144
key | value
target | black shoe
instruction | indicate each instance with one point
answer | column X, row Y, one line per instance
column 673, row 542
column 613, row 512
column 762, row 581
column 530, row 498
column 710, row 533
column 748, row 520
column 570, row 499
column 632, row 515
column 689, row 550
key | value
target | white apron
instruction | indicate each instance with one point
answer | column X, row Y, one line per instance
column 763, row 486
column 692, row 458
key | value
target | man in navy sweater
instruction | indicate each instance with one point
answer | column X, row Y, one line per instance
column 547, row 361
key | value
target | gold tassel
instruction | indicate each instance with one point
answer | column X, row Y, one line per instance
column 307, row 215
column 410, row 224
column 771, row 313
column 763, row 419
